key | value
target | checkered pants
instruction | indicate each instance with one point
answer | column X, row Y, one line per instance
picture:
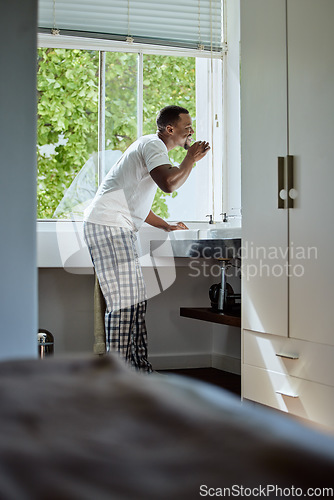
column 117, row 267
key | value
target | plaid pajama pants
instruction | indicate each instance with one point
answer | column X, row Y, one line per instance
column 117, row 267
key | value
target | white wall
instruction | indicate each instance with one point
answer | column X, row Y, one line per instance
column 18, row 281
column 66, row 309
column 175, row 341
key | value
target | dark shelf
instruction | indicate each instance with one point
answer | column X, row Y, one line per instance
column 207, row 314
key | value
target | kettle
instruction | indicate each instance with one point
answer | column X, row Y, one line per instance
column 216, row 294
column 227, row 301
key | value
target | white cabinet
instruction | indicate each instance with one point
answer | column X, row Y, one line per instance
column 290, row 375
column 263, row 140
column 302, row 398
column 290, row 357
column 311, row 141
column 287, row 120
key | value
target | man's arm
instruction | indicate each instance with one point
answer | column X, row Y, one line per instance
column 156, row 221
column 170, row 178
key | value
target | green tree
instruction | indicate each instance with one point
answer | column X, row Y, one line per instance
column 121, row 100
column 167, row 80
column 68, row 110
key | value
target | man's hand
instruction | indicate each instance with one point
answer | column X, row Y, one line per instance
column 156, row 221
column 175, row 227
column 198, row 150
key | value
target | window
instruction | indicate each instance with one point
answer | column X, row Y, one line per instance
column 94, row 101
column 67, row 121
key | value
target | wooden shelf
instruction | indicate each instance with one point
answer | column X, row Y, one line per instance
column 207, row 314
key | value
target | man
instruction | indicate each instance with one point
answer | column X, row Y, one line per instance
column 121, row 205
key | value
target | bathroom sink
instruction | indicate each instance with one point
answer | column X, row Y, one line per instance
column 183, row 234
column 219, row 232
column 198, row 248
column 216, row 240
column 214, row 232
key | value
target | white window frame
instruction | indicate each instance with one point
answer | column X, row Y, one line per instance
column 208, row 90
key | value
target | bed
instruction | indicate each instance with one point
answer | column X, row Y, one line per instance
column 90, row 428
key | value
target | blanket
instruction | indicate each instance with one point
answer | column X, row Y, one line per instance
column 90, row 428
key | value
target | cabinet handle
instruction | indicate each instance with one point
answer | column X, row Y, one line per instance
column 281, row 193
column 291, row 190
column 287, row 356
column 290, row 395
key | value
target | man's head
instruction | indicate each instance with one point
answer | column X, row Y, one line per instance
column 175, row 125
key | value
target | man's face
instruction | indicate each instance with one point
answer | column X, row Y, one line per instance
column 183, row 131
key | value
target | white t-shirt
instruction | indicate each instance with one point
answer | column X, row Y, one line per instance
column 126, row 194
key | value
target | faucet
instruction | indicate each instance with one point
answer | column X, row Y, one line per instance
column 210, row 219
column 227, row 217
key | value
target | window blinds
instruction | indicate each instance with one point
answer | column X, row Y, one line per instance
column 177, row 23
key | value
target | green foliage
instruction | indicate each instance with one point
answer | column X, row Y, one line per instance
column 67, row 106
column 159, row 205
column 168, row 80
column 121, row 100
column 68, row 111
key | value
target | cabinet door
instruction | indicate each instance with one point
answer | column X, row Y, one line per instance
column 311, row 140
column 264, row 139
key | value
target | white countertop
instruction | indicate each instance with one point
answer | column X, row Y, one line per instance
column 60, row 244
